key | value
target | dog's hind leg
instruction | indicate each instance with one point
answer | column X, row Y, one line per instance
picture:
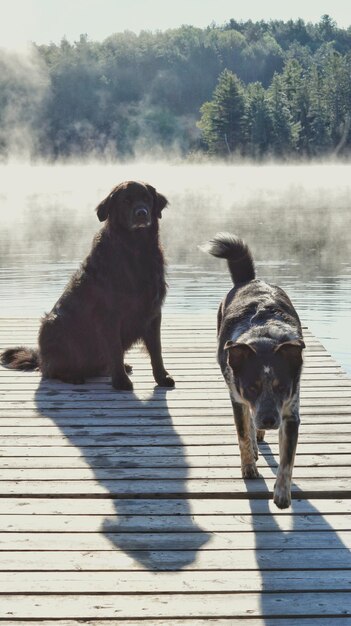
column 288, row 434
column 247, row 443
column 60, row 370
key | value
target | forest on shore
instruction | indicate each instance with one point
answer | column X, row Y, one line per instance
column 267, row 89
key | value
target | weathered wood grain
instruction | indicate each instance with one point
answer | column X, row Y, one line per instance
column 129, row 508
column 177, row 605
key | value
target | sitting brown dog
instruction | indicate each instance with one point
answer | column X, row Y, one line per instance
column 113, row 301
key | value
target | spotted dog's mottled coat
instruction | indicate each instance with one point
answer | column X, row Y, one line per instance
column 260, row 354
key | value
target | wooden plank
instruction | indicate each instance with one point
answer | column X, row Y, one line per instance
column 265, row 621
column 194, row 559
column 191, row 353
column 162, row 473
column 164, row 582
column 185, row 349
column 69, row 419
column 257, row 488
column 170, row 402
column 212, row 389
column 176, row 523
column 193, row 321
column 175, row 343
column 323, row 461
column 169, row 319
column 314, row 376
column 171, row 324
column 217, row 541
column 163, row 450
column 184, row 390
column 138, row 410
column 174, row 606
column 207, row 363
column 192, row 367
column 146, row 390
column 174, row 439
column 161, row 429
column 313, row 508
column 204, row 339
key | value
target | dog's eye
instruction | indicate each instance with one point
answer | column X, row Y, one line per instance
column 253, row 389
column 280, row 388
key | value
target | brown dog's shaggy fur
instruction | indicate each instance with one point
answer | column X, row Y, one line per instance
column 110, row 303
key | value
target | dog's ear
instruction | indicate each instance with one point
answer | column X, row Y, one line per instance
column 292, row 351
column 103, row 208
column 159, row 200
column 238, row 353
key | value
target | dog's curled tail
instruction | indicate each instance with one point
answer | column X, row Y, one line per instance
column 20, row 358
column 237, row 253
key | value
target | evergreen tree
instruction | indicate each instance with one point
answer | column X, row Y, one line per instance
column 319, row 127
column 268, row 87
column 338, row 98
column 295, row 86
column 223, row 118
column 285, row 132
column 259, row 121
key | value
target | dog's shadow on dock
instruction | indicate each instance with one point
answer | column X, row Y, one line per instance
column 151, row 518
column 299, row 555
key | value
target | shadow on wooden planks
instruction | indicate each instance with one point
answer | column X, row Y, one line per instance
column 304, row 566
column 133, row 498
column 305, row 569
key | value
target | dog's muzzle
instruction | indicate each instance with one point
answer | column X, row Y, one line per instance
column 267, row 414
column 141, row 217
column 267, row 422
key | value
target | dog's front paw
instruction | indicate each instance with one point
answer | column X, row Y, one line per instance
column 250, row 471
column 281, row 497
column 165, row 380
column 122, row 383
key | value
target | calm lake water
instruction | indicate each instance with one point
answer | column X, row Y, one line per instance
column 296, row 219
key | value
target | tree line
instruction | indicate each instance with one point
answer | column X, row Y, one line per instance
column 245, row 88
column 304, row 112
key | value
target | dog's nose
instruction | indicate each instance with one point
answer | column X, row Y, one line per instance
column 141, row 212
column 268, row 422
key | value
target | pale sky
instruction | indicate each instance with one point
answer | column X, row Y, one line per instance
column 43, row 21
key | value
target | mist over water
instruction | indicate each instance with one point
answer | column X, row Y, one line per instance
column 296, row 220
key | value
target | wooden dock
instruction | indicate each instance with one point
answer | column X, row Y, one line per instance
column 128, row 508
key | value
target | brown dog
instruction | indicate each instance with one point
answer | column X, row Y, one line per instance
column 113, row 301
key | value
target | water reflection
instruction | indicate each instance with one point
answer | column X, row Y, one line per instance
column 296, row 220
